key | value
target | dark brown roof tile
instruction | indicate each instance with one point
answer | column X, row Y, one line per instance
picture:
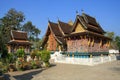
column 55, row 29
column 19, row 35
column 66, row 28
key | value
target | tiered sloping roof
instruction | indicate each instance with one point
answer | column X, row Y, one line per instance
column 65, row 27
column 58, row 30
column 89, row 23
column 19, row 37
column 62, row 29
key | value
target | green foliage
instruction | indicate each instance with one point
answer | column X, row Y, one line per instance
column 117, row 41
column 45, row 56
column 34, row 53
column 33, row 64
column 11, row 21
column 10, row 58
column 20, row 53
column 4, row 51
column 13, row 18
column 47, row 64
column 110, row 35
column 31, row 30
column 3, row 67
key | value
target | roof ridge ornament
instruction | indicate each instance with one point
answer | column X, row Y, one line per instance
column 77, row 13
column 82, row 11
column 48, row 19
column 58, row 19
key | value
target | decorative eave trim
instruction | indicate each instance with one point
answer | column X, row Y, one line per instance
column 12, row 34
column 78, row 18
column 54, row 34
column 60, row 28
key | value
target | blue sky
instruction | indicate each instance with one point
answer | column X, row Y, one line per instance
column 107, row 12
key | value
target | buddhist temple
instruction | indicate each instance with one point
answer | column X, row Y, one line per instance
column 54, row 37
column 85, row 35
column 18, row 40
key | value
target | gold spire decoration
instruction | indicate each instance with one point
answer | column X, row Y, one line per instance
column 100, row 42
column 92, row 42
column 89, row 41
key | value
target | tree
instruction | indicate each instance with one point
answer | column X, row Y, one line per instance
column 36, row 32
column 117, row 41
column 3, row 49
column 31, row 30
column 11, row 21
column 28, row 27
column 112, row 36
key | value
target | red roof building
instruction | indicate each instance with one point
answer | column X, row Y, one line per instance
column 18, row 40
column 85, row 36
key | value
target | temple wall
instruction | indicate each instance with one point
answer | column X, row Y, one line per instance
column 51, row 43
column 98, row 46
column 95, row 47
column 83, row 45
column 79, row 45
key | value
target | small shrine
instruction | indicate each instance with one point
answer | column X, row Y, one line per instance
column 19, row 39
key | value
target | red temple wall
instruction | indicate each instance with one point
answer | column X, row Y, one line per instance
column 51, row 43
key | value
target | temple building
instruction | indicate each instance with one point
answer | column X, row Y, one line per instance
column 18, row 40
column 85, row 35
column 54, row 37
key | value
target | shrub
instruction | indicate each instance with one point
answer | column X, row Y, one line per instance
column 34, row 65
column 20, row 53
column 4, row 51
column 19, row 64
column 5, row 68
column 1, row 66
column 10, row 58
column 33, row 54
column 45, row 56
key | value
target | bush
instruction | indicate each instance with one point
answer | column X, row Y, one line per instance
column 20, row 53
column 34, row 53
column 33, row 64
column 10, row 58
column 5, row 68
column 1, row 66
column 45, row 56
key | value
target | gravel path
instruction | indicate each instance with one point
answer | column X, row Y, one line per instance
column 106, row 71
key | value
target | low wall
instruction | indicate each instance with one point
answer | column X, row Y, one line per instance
column 83, row 61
